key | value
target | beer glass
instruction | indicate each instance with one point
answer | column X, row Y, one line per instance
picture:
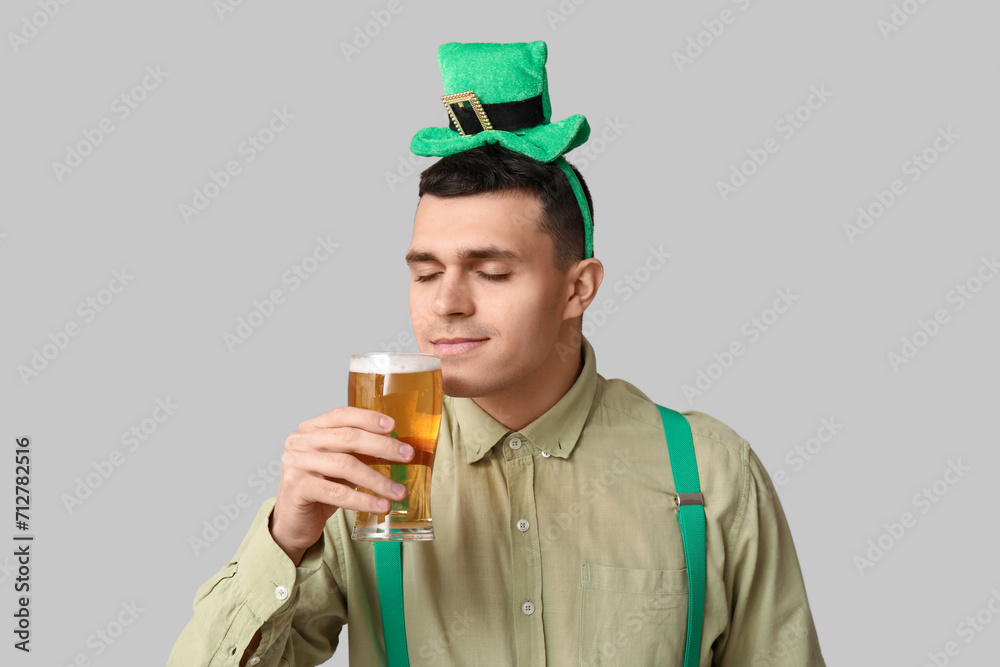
column 408, row 388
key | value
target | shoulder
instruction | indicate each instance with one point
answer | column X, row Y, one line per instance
column 710, row 434
column 725, row 460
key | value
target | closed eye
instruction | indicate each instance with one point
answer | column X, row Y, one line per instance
column 486, row 276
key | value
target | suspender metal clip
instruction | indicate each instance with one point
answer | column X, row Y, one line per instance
column 689, row 499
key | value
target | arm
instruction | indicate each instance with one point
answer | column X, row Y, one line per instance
column 240, row 613
column 771, row 623
column 279, row 599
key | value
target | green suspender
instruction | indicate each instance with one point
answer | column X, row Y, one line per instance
column 691, row 514
column 389, row 579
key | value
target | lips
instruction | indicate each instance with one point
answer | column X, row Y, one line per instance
column 447, row 347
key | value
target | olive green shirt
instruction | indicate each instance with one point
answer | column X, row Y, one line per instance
column 557, row 544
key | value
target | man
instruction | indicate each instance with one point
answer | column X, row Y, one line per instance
column 556, row 537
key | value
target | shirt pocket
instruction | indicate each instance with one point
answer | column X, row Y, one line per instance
column 632, row 617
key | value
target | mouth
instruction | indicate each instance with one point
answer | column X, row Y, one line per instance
column 448, row 347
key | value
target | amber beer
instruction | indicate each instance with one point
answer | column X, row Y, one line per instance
column 407, row 387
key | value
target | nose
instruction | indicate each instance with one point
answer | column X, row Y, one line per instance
column 452, row 296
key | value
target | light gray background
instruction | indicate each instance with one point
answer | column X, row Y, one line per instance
column 654, row 184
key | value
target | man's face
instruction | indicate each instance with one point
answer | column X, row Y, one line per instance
column 459, row 247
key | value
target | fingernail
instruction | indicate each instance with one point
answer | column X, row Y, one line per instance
column 398, row 488
column 383, row 505
column 405, row 450
column 386, row 422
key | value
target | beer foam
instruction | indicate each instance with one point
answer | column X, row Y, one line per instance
column 390, row 363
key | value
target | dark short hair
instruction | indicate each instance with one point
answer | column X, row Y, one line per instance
column 494, row 168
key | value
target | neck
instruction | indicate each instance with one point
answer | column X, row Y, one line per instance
column 543, row 387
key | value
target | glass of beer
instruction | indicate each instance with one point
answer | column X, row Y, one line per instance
column 408, row 388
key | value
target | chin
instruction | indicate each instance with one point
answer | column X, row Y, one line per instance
column 457, row 388
column 464, row 384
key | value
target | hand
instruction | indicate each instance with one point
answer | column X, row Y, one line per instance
column 320, row 472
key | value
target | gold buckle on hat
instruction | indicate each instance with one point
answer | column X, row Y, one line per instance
column 470, row 97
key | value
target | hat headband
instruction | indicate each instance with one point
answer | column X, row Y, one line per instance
column 581, row 200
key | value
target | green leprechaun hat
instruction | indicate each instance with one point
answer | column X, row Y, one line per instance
column 498, row 93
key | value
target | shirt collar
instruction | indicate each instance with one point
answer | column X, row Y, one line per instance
column 555, row 432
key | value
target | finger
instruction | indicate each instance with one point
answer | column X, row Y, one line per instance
column 329, row 492
column 346, row 415
column 350, row 440
column 344, row 468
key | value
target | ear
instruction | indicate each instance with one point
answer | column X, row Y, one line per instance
column 582, row 283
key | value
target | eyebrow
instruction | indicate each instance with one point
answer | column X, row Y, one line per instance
column 483, row 252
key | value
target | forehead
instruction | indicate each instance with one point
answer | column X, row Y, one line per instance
column 447, row 226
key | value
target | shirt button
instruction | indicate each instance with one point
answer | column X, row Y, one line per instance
column 523, row 525
column 546, row 454
column 254, row 660
column 281, row 592
column 514, row 443
column 528, row 608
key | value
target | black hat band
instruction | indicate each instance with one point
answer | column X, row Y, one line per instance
column 503, row 115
